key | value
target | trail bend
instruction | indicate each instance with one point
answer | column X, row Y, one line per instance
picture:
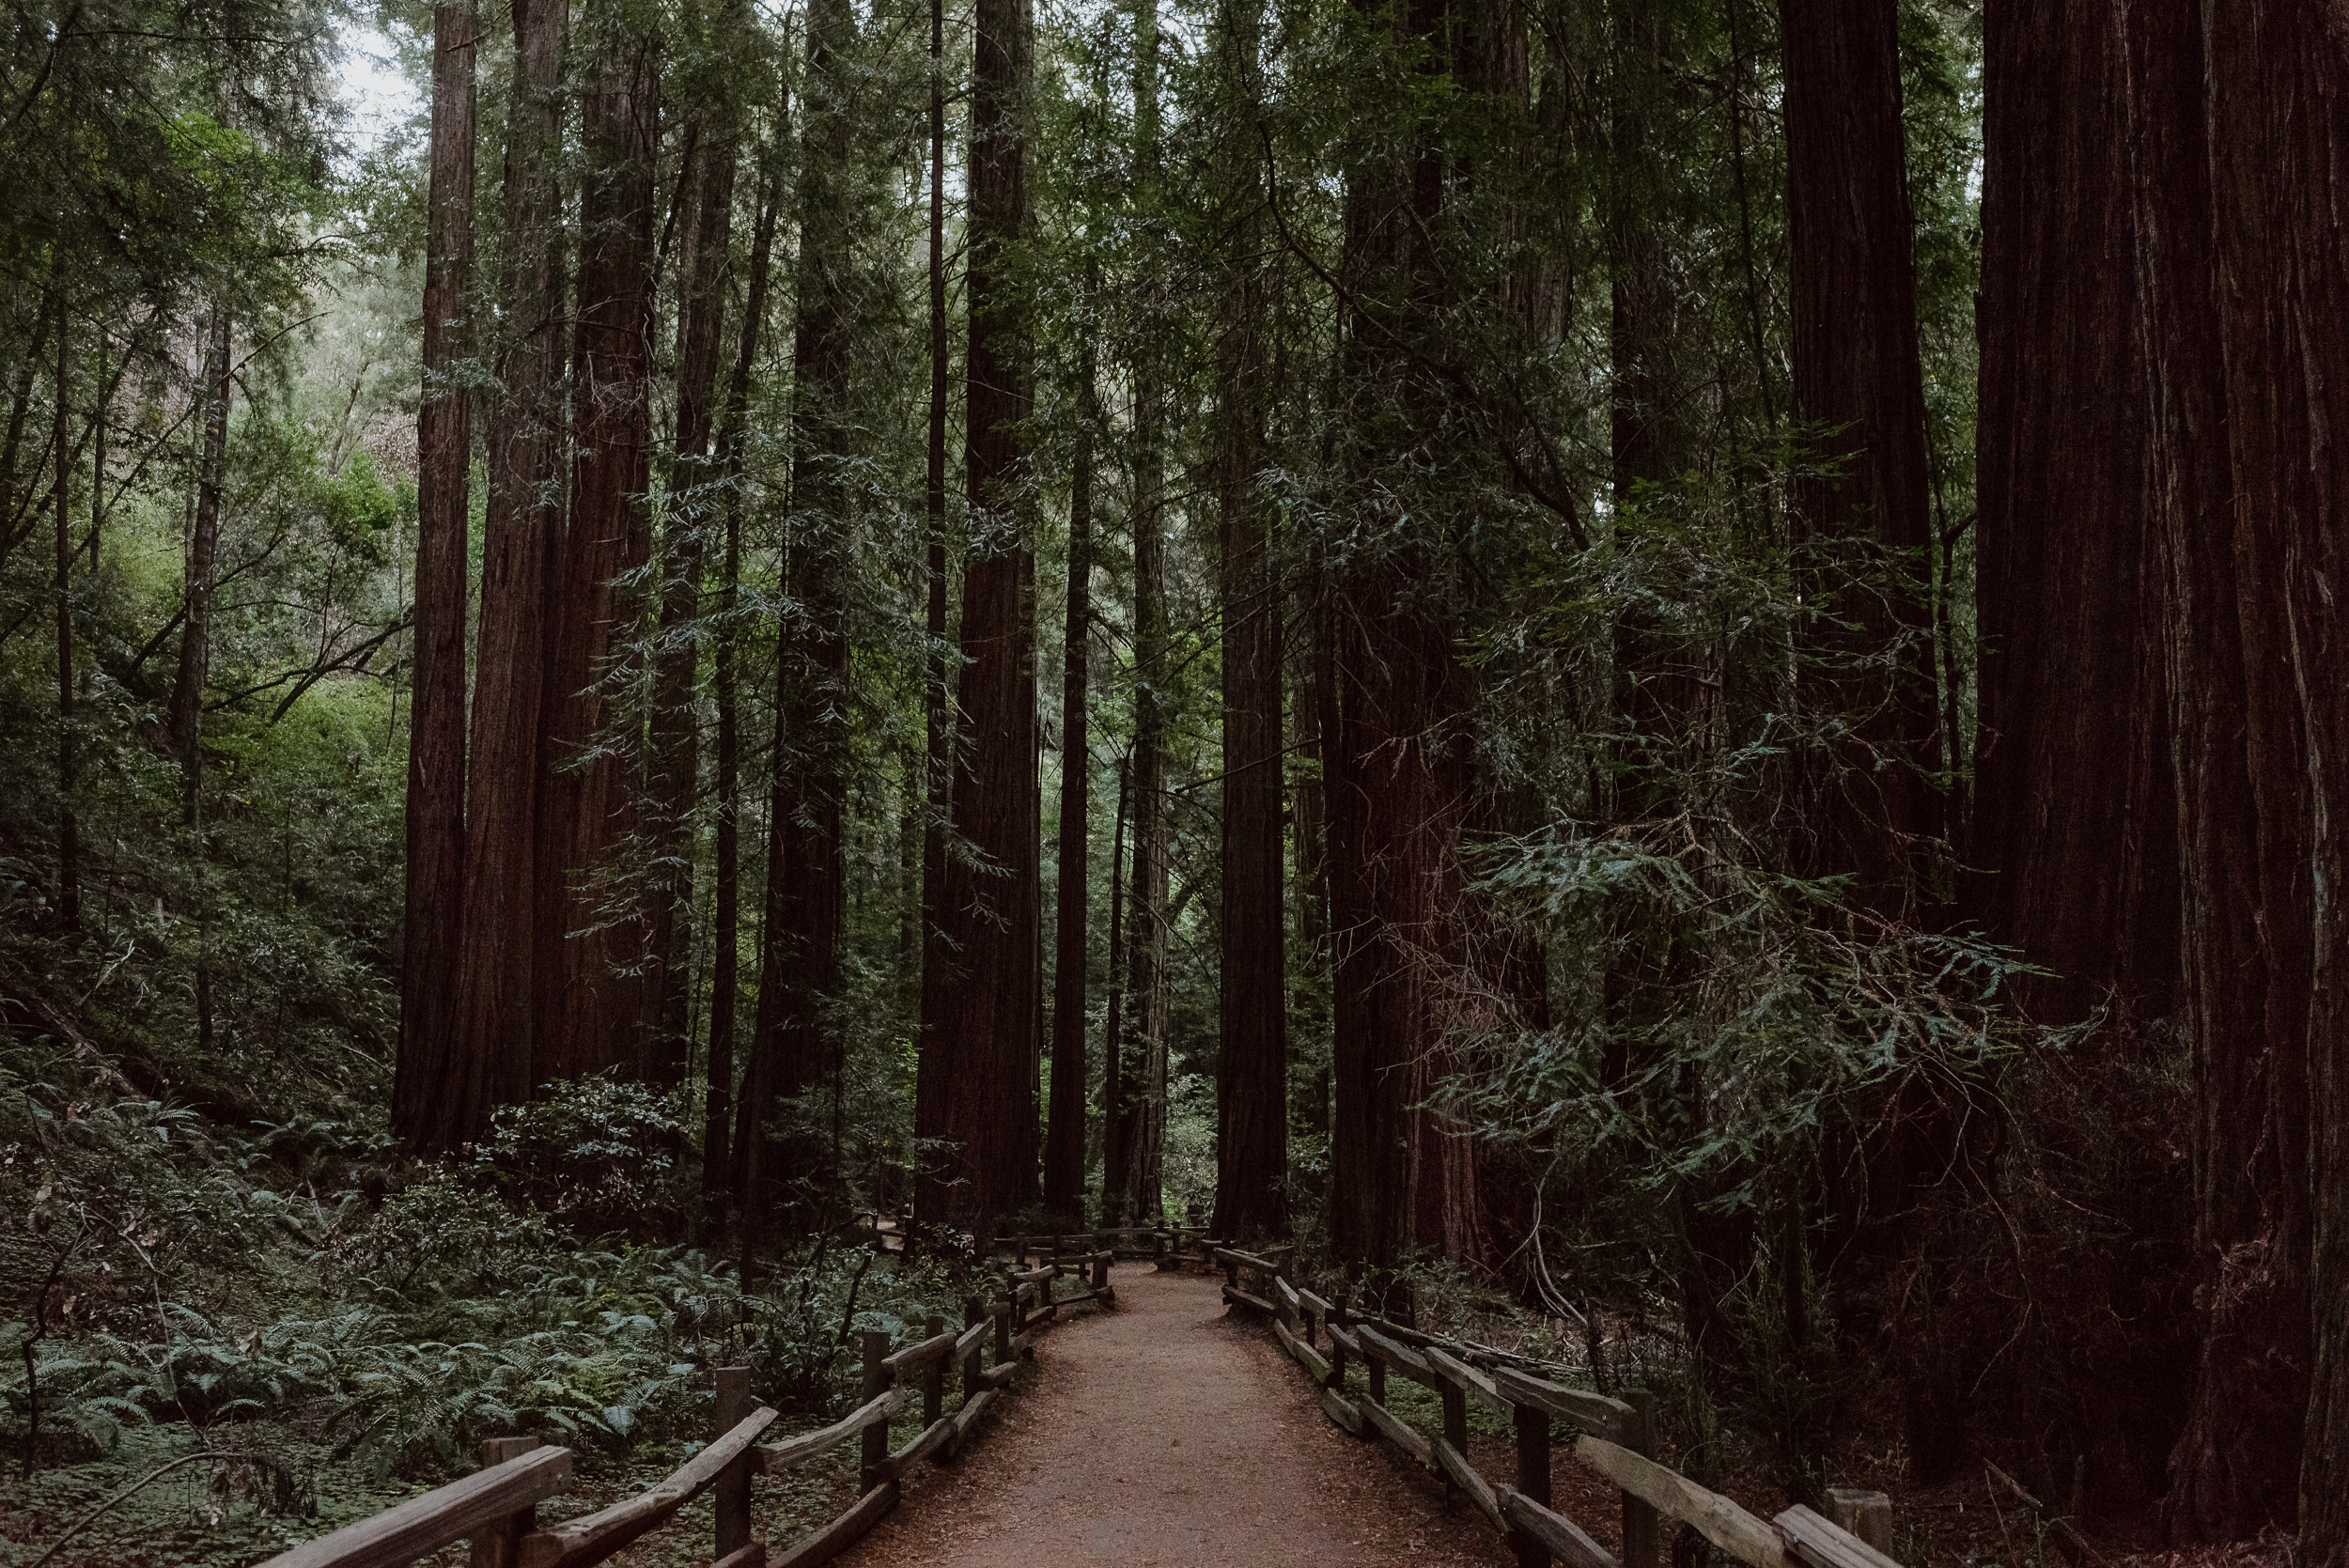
column 1166, row 1435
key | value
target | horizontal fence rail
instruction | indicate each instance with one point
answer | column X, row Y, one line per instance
column 1613, row 1436
column 495, row 1509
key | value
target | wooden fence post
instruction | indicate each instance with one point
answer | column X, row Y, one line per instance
column 933, row 1375
column 1643, row 1537
column 733, row 1490
column 1532, row 1428
column 499, row 1544
column 1335, row 1317
column 972, row 1309
column 1004, row 1311
column 1101, row 1269
column 875, row 1448
column 1454, row 1429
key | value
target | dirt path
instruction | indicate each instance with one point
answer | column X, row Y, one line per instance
column 1162, row 1434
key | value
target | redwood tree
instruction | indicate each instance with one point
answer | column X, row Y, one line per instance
column 434, row 913
column 974, row 1098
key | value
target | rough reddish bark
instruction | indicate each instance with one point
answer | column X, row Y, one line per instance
column 589, row 966
column 981, row 989
column 2074, row 824
column 1065, row 1132
column 797, row 1049
column 696, row 498
column 724, row 982
column 1872, row 811
column 433, row 924
column 1252, row 1067
column 2244, row 132
column 492, row 1047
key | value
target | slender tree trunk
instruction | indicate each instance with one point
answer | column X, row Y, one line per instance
column 590, row 963
column 797, row 1041
column 1064, row 1141
column 1252, row 1070
column 68, row 830
column 980, row 1009
column 697, row 496
column 1873, row 809
column 938, row 717
column 718, row 1160
column 434, row 947
column 495, row 1061
column 184, row 715
column 1117, row 1130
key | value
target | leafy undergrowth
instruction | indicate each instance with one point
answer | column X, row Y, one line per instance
column 344, row 1330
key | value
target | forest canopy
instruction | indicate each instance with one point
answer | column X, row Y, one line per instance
column 1664, row 669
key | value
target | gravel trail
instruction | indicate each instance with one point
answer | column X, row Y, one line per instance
column 1164, row 1435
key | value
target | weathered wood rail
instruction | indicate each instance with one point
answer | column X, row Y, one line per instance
column 495, row 1509
column 1613, row 1436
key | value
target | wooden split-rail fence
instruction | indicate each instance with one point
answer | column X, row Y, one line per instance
column 495, row 1509
column 1612, row 1435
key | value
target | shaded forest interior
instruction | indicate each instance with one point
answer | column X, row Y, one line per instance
column 1665, row 676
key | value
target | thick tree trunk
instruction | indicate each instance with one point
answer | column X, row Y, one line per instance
column 938, row 719
column 589, row 968
column 433, row 946
column 493, row 1055
column 1871, row 809
column 797, row 1047
column 697, row 494
column 1252, row 1067
column 980, row 992
column 2075, row 818
column 725, row 983
column 1117, row 1129
column 183, row 716
column 2278, row 97
column 1065, row 1139
column 2243, row 821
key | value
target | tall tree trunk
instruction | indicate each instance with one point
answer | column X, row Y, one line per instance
column 797, row 1047
column 726, row 985
column 434, row 947
column 68, row 830
column 2241, row 478
column 183, row 719
column 2074, row 817
column 2279, row 95
column 1399, row 785
column 495, row 1059
column 973, row 1099
column 1117, row 1130
column 937, row 688
column 1252, row 1068
column 697, row 496
column 1873, row 812
column 1064, row 1139
column 589, row 965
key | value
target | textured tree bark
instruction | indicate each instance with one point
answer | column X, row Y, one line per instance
column 797, row 1047
column 981, row 992
column 1252, row 1067
column 68, row 830
column 724, row 982
column 2243, row 824
column 1871, row 809
column 697, row 494
column 1117, row 1130
column 1396, row 763
column 494, row 1050
column 937, row 719
column 1065, row 1137
column 183, row 716
column 591, row 1006
column 2075, row 819
column 433, row 945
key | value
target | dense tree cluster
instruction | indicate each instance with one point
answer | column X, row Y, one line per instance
column 1696, row 630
